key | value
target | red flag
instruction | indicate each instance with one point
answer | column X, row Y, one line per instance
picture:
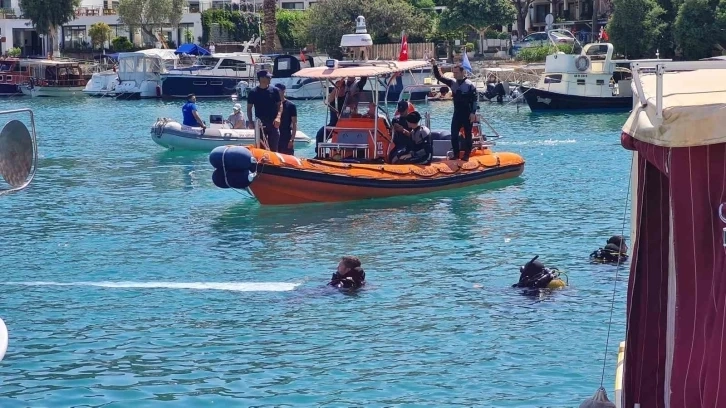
column 403, row 56
column 253, row 59
column 302, row 56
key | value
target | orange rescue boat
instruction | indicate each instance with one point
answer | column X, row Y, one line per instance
column 352, row 161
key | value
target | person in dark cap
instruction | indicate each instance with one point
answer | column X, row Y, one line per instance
column 189, row 113
column 615, row 251
column 288, row 123
column 268, row 108
column 420, row 146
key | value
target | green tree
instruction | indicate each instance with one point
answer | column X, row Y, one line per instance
column 240, row 25
column 47, row 16
column 695, row 27
column 328, row 20
column 522, row 9
column 636, row 27
column 150, row 15
column 478, row 15
column 269, row 24
column 99, row 33
column 426, row 5
column 290, row 28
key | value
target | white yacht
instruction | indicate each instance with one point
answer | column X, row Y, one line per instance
column 591, row 80
column 140, row 73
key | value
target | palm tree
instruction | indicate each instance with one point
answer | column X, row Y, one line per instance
column 269, row 22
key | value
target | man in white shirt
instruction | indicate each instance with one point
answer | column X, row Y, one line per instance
column 236, row 119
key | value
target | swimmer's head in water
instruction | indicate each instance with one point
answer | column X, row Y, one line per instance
column 348, row 263
column 618, row 242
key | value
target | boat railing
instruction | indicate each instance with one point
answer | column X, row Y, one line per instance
column 328, row 149
column 57, row 82
column 18, row 152
column 221, row 72
column 660, row 68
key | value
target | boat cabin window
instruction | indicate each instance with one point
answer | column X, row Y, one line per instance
column 6, row 66
column 580, row 82
column 553, row 79
column 207, row 61
column 600, row 82
column 153, row 65
column 597, row 51
column 126, row 65
column 234, row 65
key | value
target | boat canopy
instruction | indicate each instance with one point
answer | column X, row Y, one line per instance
column 692, row 106
column 360, row 69
column 676, row 300
column 164, row 54
column 191, row 49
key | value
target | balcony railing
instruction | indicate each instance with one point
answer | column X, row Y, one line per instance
column 10, row 13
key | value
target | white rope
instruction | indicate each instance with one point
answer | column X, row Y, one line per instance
column 617, row 272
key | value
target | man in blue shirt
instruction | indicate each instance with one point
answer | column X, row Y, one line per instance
column 288, row 123
column 268, row 108
column 189, row 112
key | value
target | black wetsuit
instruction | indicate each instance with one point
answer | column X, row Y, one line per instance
column 352, row 280
column 610, row 254
column 465, row 98
column 400, row 141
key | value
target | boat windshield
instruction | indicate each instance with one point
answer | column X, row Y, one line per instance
column 358, row 104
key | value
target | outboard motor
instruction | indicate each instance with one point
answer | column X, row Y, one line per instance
column 534, row 275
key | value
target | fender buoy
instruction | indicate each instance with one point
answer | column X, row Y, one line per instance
column 3, row 339
column 582, row 63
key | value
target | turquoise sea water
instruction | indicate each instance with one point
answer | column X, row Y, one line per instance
column 130, row 280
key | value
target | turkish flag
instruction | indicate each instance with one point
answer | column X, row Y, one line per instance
column 403, row 56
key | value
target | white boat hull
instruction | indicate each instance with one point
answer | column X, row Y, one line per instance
column 52, row 91
column 146, row 89
column 175, row 136
column 102, row 84
column 3, row 339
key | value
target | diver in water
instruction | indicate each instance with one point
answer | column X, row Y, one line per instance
column 349, row 275
column 616, row 250
column 534, row 275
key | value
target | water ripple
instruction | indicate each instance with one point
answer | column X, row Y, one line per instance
column 131, row 280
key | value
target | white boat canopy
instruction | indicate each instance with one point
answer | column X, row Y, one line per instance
column 360, row 69
column 679, row 109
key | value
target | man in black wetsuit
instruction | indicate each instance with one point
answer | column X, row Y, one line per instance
column 465, row 98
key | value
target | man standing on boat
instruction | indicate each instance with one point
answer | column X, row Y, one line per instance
column 268, row 108
column 465, row 98
column 189, row 113
column 288, row 123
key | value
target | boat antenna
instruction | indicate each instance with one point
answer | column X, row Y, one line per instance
column 359, row 42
